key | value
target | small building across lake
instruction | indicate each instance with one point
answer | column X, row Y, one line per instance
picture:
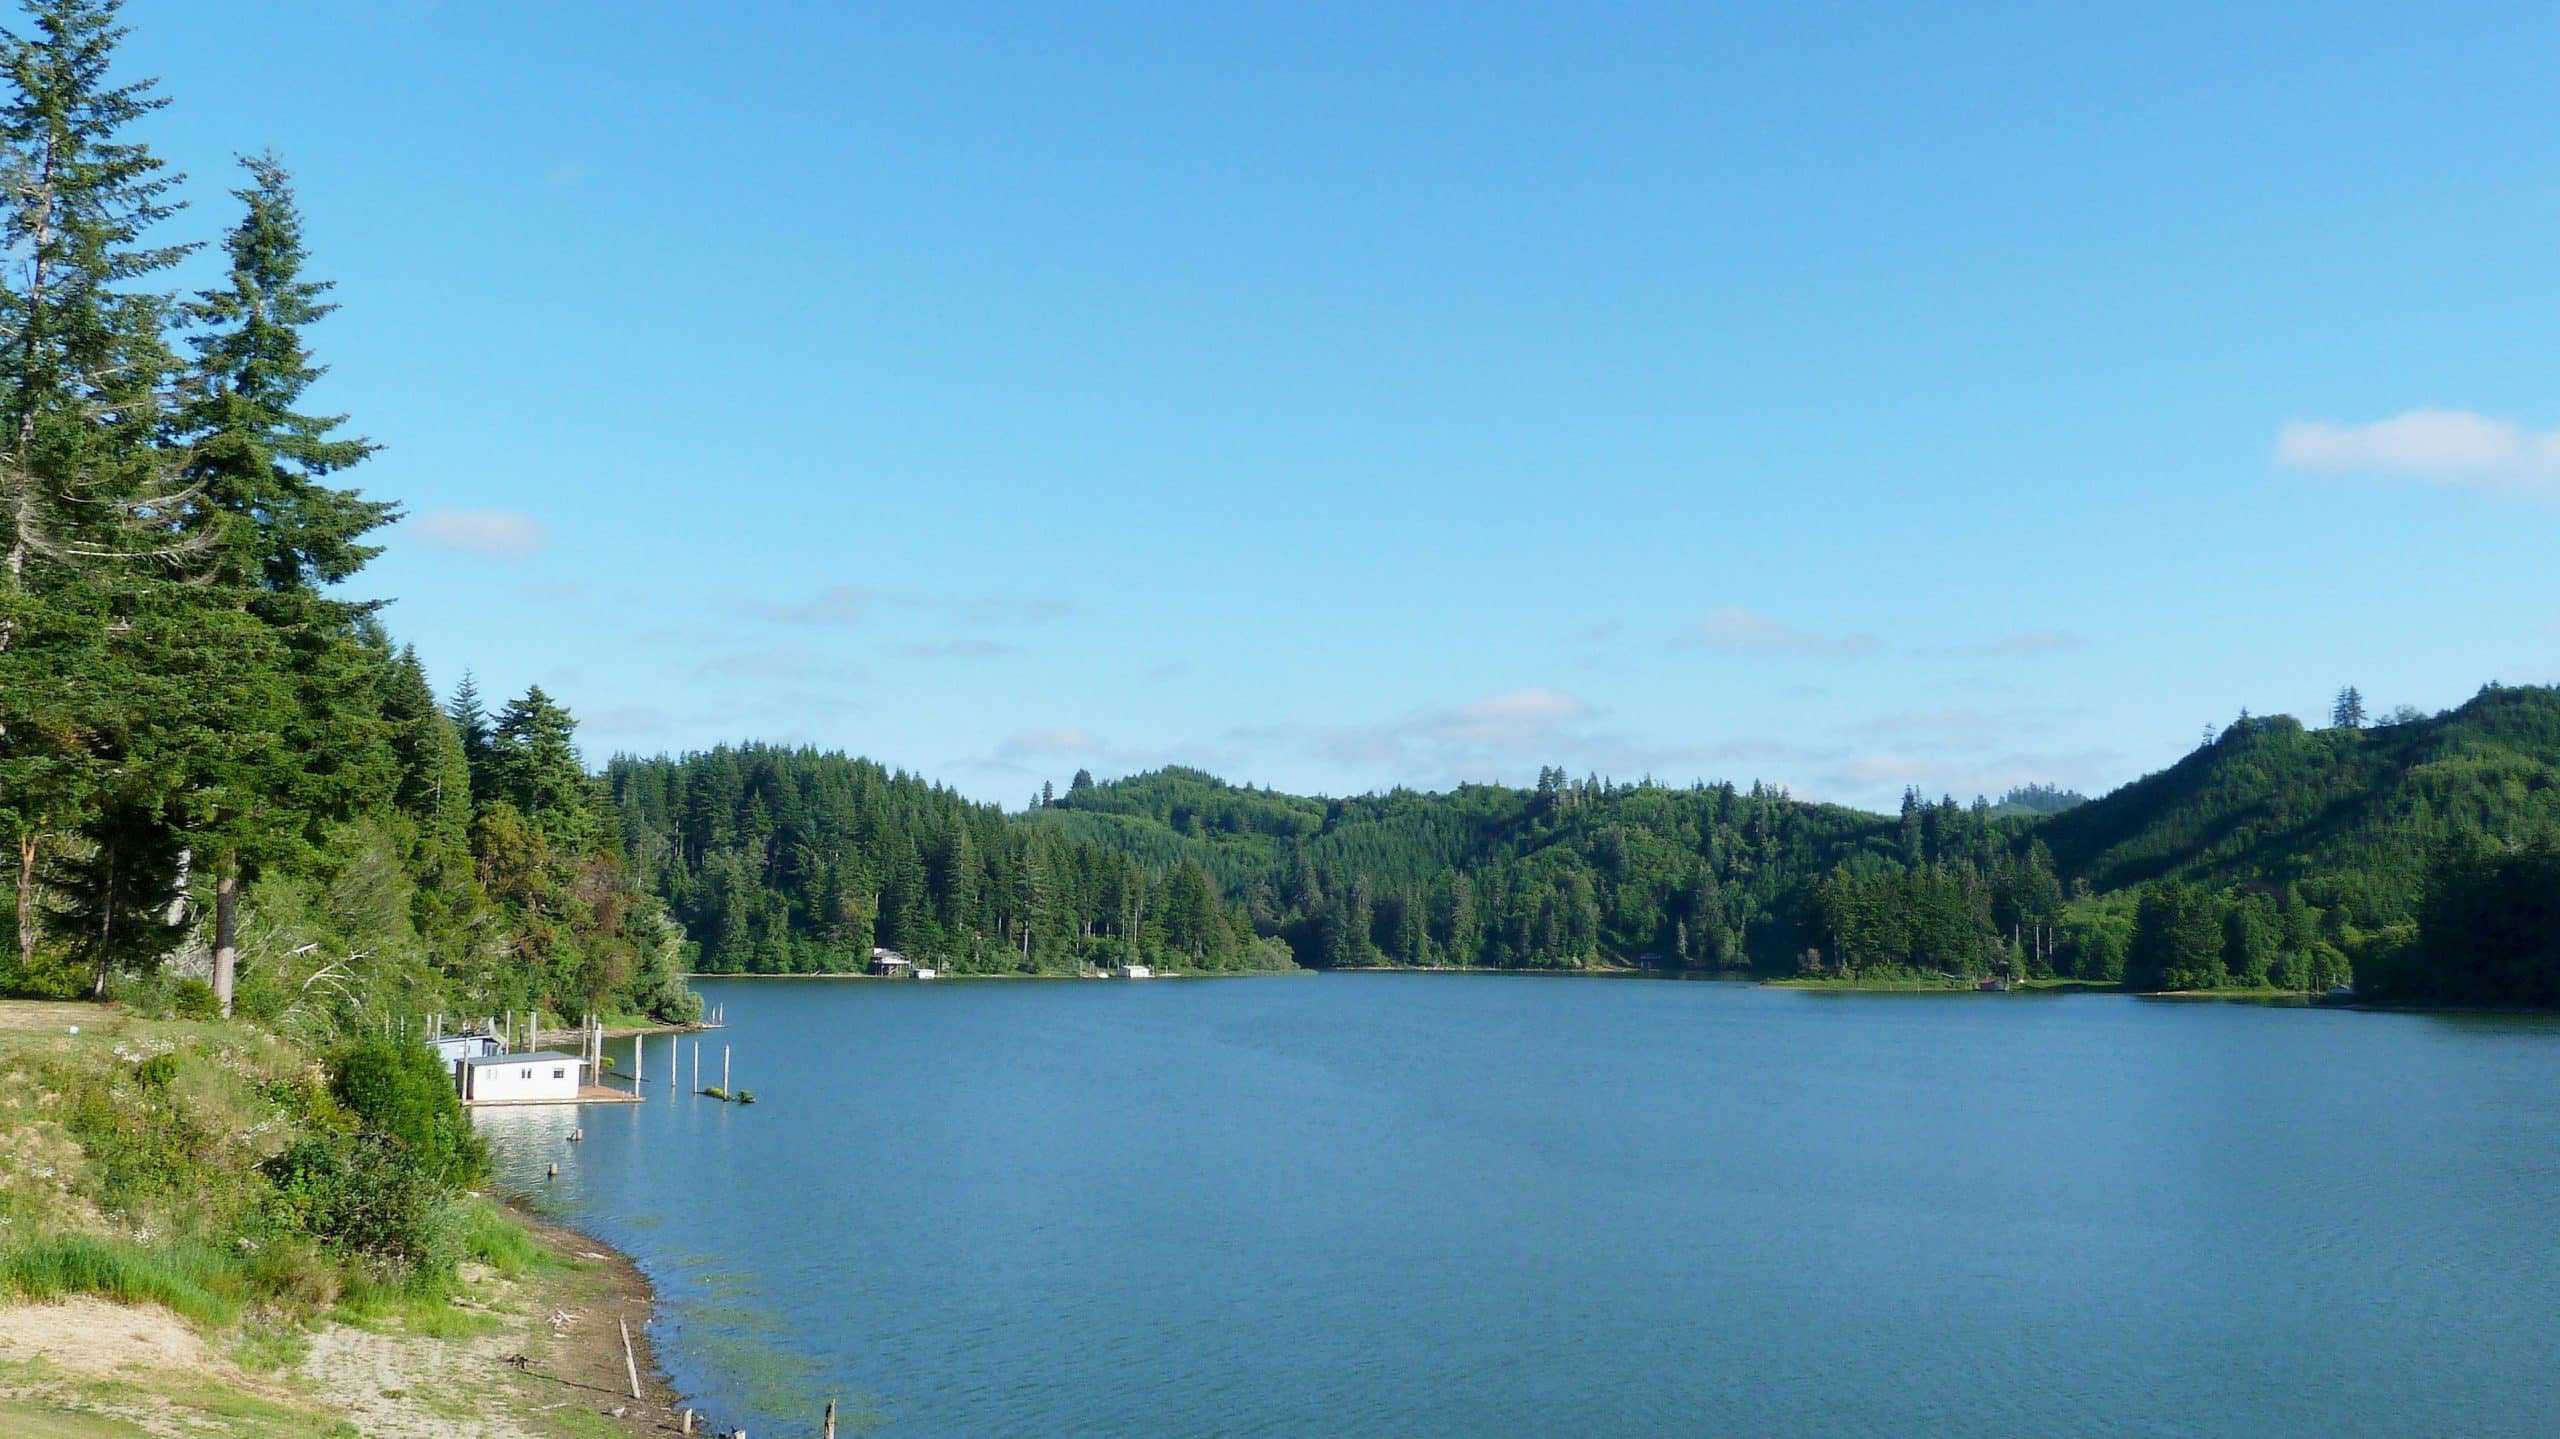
column 455, row 1048
column 545, row 1077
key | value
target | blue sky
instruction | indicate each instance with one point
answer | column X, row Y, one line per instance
column 1337, row 396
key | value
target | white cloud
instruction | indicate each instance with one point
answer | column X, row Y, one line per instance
column 834, row 605
column 2021, row 644
column 2444, row 447
column 1733, row 630
column 1038, row 752
column 490, row 534
column 963, row 648
column 1044, row 743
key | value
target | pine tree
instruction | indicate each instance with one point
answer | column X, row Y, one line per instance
column 470, row 722
column 81, row 363
column 255, row 463
column 533, row 764
column 2348, row 711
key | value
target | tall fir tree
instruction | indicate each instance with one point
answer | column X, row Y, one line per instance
column 84, row 509
column 273, row 533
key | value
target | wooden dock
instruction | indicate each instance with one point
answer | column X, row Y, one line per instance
column 587, row 1094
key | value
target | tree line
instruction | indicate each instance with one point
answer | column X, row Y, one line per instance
column 206, row 747
column 793, row 861
column 2274, row 857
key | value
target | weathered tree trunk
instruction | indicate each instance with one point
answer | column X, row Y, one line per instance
column 106, row 925
column 226, row 934
column 26, row 901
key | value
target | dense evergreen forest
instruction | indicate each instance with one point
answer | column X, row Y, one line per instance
column 2275, row 856
column 223, row 782
column 784, row 861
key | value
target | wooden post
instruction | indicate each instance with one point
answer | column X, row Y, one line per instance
column 639, row 1048
column 697, row 1064
column 724, row 1069
column 630, row 1366
column 831, row 1419
column 685, row 1424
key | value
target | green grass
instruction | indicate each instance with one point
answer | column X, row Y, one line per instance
column 395, row 1309
column 41, row 1419
column 492, row 1238
column 198, row 1284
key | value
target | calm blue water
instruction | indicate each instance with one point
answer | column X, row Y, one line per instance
column 1488, row 1205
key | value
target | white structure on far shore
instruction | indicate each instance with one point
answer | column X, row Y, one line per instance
column 1136, row 971
column 543, row 1077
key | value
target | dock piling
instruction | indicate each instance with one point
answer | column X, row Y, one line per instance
column 630, row 1365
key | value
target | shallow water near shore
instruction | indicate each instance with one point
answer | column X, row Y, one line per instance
column 1420, row 1204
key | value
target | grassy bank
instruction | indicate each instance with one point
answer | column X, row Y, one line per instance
column 202, row 1231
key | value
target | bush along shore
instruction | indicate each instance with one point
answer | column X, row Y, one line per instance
column 301, row 1240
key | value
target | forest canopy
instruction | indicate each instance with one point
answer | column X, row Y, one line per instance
column 218, row 772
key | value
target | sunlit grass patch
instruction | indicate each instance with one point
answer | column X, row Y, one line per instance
column 198, row 1284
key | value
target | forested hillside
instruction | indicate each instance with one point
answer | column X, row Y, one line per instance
column 783, row 861
column 2275, row 856
column 1568, row 874
column 210, row 750
column 2349, row 813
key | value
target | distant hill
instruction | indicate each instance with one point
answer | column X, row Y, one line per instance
column 1568, row 873
column 2354, row 814
column 2287, row 855
column 2273, row 856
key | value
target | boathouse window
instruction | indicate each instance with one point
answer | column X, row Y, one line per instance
column 559, row 1074
column 524, row 1074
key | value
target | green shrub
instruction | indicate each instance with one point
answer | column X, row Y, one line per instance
column 142, row 1151
column 157, row 1071
column 365, row 1197
column 746, row 1096
column 194, row 999
column 402, row 1090
column 296, row 1274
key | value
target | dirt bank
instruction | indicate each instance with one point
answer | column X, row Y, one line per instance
column 535, row 1357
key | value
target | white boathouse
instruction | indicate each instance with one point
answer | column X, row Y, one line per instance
column 544, row 1077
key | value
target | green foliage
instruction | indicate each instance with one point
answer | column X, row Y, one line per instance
column 399, row 1089
column 363, row 1196
column 489, row 1237
column 2349, row 816
column 2177, row 940
column 196, row 1283
column 194, row 724
column 2488, row 931
column 793, row 861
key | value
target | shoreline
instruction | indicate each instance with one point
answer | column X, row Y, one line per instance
column 588, row 1355
column 940, row 978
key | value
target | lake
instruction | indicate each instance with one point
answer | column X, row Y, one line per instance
column 1426, row 1204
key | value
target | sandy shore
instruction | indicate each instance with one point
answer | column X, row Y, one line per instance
column 535, row 1357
